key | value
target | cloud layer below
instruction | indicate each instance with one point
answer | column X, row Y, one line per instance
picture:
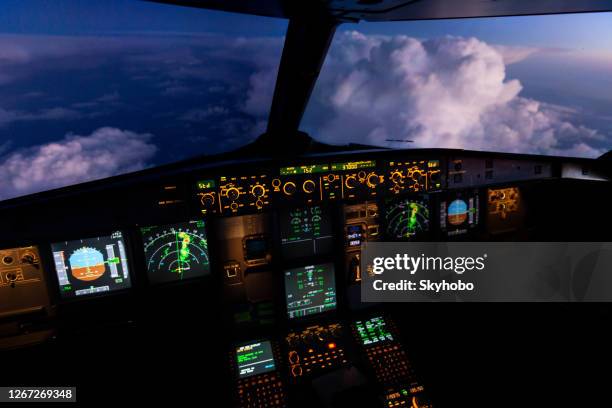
column 105, row 152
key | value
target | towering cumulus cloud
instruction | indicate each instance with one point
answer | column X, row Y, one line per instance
column 106, row 152
column 445, row 92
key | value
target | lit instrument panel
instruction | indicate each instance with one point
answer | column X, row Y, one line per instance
column 414, row 176
column 352, row 181
column 243, row 194
column 176, row 252
column 504, row 201
column 361, row 179
column 407, row 217
column 505, row 210
column 315, row 350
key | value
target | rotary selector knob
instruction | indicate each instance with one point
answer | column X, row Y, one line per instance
column 207, row 200
column 373, row 180
column 233, row 193
column 289, row 188
column 258, row 190
column 28, row 258
column 396, row 176
column 309, row 186
column 351, row 182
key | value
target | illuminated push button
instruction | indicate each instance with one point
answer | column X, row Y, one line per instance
column 331, row 177
column 289, row 188
column 234, row 206
column 309, row 186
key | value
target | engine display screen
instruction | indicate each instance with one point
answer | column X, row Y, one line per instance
column 373, row 331
column 254, row 358
column 175, row 252
column 306, row 231
column 91, row 266
column 310, row 290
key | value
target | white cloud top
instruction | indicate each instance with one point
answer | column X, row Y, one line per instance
column 447, row 92
column 106, row 152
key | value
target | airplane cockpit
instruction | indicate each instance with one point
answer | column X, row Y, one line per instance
column 234, row 279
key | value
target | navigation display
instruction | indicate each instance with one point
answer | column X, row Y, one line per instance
column 407, row 217
column 90, row 266
column 306, row 231
column 176, row 252
column 310, row 290
column 254, row 358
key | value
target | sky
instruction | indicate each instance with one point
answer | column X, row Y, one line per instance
column 94, row 89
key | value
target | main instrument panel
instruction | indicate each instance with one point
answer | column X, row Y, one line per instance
column 281, row 242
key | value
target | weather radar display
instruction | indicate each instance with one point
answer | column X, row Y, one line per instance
column 407, row 217
column 91, row 266
column 176, row 252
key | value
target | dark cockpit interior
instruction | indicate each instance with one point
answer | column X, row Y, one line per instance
column 234, row 279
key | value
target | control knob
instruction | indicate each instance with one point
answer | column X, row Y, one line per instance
column 351, row 182
column 309, row 186
column 28, row 258
column 233, row 193
column 258, row 190
column 207, row 200
column 373, row 180
column 396, row 177
column 289, row 188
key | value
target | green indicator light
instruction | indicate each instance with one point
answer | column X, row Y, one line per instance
column 364, row 164
column 206, row 184
column 306, row 169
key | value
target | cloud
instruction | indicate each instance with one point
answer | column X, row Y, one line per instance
column 105, row 152
column 446, row 92
column 513, row 54
column 57, row 113
column 199, row 115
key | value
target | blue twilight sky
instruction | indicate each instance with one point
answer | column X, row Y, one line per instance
column 92, row 89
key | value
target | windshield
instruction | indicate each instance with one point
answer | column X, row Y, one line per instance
column 535, row 84
column 95, row 89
